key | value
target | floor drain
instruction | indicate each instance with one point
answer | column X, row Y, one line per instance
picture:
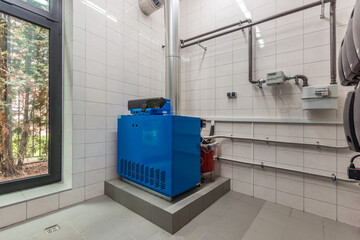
column 52, row 229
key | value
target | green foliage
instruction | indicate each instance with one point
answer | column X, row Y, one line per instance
column 44, row 4
column 24, row 82
column 37, row 146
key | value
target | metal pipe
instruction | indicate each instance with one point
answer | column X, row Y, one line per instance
column 172, row 54
column 317, row 145
column 216, row 30
column 311, row 5
column 333, row 177
column 333, row 41
column 276, row 120
column 299, row 76
column 250, row 40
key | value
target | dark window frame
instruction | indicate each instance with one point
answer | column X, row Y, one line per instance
column 55, row 92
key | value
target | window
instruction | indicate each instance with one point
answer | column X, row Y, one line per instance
column 42, row 4
column 30, row 93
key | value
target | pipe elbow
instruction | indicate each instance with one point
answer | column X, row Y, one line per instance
column 304, row 78
column 248, row 20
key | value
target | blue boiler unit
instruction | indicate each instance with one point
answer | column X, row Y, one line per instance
column 158, row 151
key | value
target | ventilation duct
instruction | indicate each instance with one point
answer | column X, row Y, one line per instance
column 172, row 54
column 172, row 46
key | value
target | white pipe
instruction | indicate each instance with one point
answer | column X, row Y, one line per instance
column 317, row 145
column 333, row 177
column 273, row 120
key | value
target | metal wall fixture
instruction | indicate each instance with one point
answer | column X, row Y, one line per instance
column 150, row 6
column 198, row 39
column 331, row 176
column 276, row 78
column 268, row 141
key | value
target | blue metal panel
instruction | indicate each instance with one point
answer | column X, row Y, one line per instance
column 160, row 152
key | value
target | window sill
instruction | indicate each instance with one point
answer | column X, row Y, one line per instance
column 30, row 194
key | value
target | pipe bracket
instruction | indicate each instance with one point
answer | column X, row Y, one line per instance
column 199, row 44
column 322, row 15
column 333, row 177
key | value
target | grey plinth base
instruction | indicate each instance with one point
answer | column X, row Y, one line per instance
column 170, row 216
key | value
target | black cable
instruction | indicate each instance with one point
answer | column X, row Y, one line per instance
column 352, row 165
column 353, row 158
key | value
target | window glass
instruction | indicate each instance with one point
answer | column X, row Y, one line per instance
column 42, row 4
column 24, row 99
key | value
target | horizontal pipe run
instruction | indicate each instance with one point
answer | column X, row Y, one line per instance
column 311, row 5
column 275, row 141
column 216, row 30
column 333, row 177
column 274, row 120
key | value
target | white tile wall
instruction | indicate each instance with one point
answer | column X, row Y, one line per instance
column 296, row 44
column 108, row 63
column 118, row 58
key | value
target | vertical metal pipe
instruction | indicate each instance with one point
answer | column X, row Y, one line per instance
column 333, row 41
column 250, row 42
column 172, row 54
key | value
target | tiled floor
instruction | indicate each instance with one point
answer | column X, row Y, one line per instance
column 234, row 216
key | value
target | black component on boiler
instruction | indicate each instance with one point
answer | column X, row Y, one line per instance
column 146, row 103
column 353, row 172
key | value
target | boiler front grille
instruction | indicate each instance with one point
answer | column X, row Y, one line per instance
column 143, row 174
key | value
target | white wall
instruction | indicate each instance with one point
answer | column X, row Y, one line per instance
column 296, row 44
column 114, row 61
column 106, row 63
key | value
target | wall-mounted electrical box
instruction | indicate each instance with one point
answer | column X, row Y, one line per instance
column 231, row 95
column 320, row 97
column 275, row 78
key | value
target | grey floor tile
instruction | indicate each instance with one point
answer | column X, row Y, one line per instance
column 272, row 229
column 215, row 236
column 337, row 230
column 19, row 231
column 143, row 230
column 273, row 216
column 233, row 226
column 253, row 201
column 66, row 232
column 306, row 216
column 192, row 230
column 104, row 230
column 251, row 235
column 234, row 195
column 301, row 229
column 234, row 216
column 218, row 209
column 161, row 236
column 246, row 207
column 206, row 218
column 277, row 208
